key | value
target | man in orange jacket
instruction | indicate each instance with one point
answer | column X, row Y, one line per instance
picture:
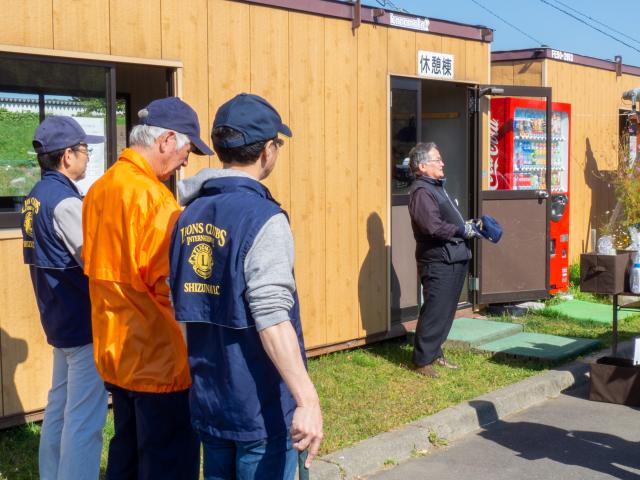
column 128, row 216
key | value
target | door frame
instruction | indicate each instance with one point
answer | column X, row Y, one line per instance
column 478, row 138
column 414, row 84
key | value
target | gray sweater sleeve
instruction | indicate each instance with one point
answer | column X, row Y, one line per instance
column 268, row 271
column 67, row 222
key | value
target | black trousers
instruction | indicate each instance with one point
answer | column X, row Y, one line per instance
column 441, row 286
column 153, row 437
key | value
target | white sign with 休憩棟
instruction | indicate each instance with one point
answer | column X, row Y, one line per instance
column 435, row 65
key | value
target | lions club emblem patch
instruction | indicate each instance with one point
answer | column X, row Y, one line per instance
column 28, row 223
column 202, row 260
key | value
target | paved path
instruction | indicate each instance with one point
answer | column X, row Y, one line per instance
column 567, row 438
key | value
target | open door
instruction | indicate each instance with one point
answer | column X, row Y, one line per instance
column 406, row 129
column 424, row 110
column 514, row 187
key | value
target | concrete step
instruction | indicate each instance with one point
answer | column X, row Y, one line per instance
column 540, row 346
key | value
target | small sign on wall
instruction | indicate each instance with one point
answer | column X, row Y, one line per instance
column 414, row 23
column 435, row 65
column 560, row 55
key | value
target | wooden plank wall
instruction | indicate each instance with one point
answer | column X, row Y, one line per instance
column 522, row 73
column 26, row 359
column 595, row 102
column 595, row 96
column 330, row 84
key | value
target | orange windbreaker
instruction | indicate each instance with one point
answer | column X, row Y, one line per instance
column 127, row 219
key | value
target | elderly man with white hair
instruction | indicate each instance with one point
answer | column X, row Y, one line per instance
column 442, row 256
column 139, row 350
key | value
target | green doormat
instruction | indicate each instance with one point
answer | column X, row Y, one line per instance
column 475, row 331
column 540, row 346
column 595, row 312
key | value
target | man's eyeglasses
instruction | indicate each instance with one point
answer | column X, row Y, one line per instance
column 83, row 149
column 278, row 142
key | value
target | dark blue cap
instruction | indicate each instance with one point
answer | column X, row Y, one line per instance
column 253, row 117
column 58, row 133
column 490, row 228
column 174, row 114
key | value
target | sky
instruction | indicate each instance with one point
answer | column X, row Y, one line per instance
column 545, row 24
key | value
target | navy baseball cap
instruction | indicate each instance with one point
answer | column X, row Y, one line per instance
column 58, row 132
column 253, row 117
column 174, row 114
column 489, row 228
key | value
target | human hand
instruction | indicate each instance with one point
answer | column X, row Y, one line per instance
column 306, row 430
column 471, row 230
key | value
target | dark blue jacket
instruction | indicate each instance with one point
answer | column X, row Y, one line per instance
column 237, row 393
column 437, row 223
column 61, row 288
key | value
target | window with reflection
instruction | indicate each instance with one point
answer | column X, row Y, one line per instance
column 404, row 134
column 30, row 90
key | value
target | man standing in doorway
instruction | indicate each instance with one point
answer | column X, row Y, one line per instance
column 71, row 437
column 140, row 352
column 442, row 254
column 252, row 401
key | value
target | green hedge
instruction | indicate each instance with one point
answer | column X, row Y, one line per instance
column 17, row 133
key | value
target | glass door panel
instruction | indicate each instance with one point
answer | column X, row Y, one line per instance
column 404, row 136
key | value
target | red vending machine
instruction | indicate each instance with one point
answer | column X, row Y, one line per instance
column 518, row 162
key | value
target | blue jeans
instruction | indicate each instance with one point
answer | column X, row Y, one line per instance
column 71, row 437
column 270, row 459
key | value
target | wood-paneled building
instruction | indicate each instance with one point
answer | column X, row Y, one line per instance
column 328, row 76
column 594, row 89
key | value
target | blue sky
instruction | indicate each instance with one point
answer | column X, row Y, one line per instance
column 545, row 24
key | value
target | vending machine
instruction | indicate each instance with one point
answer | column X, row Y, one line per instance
column 518, row 162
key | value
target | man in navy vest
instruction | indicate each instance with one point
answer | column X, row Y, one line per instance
column 71, row 437
column 442, row 255
column 232, row 283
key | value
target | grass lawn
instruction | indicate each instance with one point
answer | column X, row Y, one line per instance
column 363, row 392
column 19, row 451
column 547, row 321
column 369, row 390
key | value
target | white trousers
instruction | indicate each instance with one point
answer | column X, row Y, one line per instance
column 71, row 437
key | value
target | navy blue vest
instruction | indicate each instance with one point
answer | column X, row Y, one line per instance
column 61, row 288
column 431, row 249
column 237, row 393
